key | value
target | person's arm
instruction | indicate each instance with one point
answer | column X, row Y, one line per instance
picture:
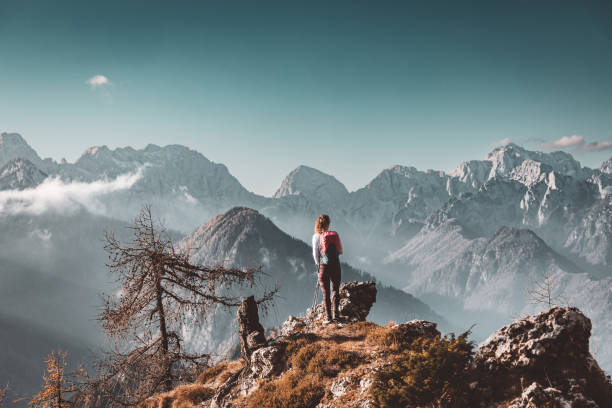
column 316, row 248
column 339, row 246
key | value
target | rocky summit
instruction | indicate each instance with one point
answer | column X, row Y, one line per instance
column 546, row 359
column 537, row 361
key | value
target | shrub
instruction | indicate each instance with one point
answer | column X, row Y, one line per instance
column 387, row 336
column 424, row 371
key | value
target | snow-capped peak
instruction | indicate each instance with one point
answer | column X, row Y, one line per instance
column 606, row 167
column 13, row 146
column 473, row 173
column 506, row 158
column 20, row 174
column 531, row 172
column 314, row 184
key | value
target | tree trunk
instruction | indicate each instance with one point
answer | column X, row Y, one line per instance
column 167, row 381
column 58, row 390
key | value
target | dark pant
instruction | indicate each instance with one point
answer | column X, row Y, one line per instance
column 330, row 273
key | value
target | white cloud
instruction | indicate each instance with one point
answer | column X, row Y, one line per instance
column 578, row 143
column 57, row 195
column 503, row 142
column 98, row 81
column 564, row 142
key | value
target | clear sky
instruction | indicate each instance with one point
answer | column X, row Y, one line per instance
column 347, row 87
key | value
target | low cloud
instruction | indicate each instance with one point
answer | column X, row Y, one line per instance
column 97, row 81
column 502, row 142
column 564, row 142
column 53, row 194
column 577, row 143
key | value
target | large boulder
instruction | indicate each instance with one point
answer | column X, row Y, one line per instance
column 535, row 341
column 356, row 300
column 266, row 361
column 550, row 348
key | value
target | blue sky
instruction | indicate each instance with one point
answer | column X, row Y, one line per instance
column 347, row 87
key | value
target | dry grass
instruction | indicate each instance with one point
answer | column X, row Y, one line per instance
column 192, row 395
column 315, row 361
column 218, row 374
column 184, row 396
column 293, row 390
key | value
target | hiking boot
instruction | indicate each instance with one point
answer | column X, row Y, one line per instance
column 336, row 314
column 326, row 321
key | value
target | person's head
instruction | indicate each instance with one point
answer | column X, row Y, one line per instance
column 322, row 224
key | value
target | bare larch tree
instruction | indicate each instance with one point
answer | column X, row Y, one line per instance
column 160, row 292
column 57, row 388
column 542, row 292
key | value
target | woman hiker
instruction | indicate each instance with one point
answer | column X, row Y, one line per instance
column 326, row 250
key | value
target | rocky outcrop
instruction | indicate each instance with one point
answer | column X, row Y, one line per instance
column 540, row 361
column 536, row 396
column 265, row 361
column 250, row 331
column 356, row 300
column 551, row 348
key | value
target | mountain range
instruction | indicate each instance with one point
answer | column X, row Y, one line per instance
column 469, row 242
column 549, row 193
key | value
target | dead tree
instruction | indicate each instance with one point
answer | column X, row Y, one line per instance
column 160, row 292
column 542, row 291
column 57, row 388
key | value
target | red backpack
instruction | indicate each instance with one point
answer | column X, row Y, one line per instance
column 331, row 240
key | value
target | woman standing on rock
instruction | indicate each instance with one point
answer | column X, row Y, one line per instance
column 326, row 250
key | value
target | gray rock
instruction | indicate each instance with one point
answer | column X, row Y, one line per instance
column 550, row 348
column 292, row 325
column 356, row 300
column 266, row 362
column 536, row 396
column 535, row 340
column 340, row 387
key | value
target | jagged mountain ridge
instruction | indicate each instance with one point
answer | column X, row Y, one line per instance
column 550, row 196
column 14, row 146
column 549, row 189
column 313, row 185
column 19, row 174
column 510, row 187
column 181, row 183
